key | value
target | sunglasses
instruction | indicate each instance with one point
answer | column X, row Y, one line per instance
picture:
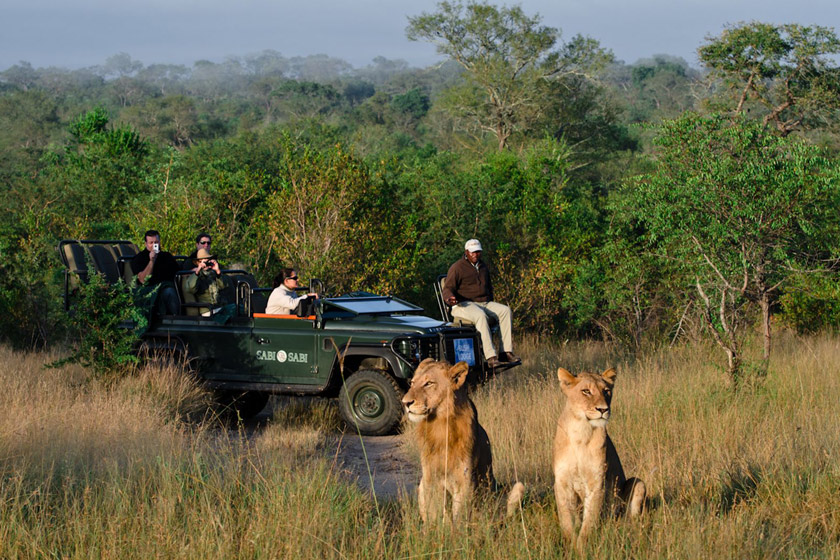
column 292, row 278
column 204, row 242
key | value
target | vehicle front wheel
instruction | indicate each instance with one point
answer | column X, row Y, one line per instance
column 372, row 401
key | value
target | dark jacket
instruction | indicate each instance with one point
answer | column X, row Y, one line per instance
column 165, row 267
column 467, row 282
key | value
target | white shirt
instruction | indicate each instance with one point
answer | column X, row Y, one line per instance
column 282, row 300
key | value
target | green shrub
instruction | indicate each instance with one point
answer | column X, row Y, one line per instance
column 104, row 323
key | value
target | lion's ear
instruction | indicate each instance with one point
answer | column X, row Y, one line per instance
column 566, row 377
column 609, row 376
column 458, row 374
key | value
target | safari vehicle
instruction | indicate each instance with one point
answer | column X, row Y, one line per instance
column 359, row 347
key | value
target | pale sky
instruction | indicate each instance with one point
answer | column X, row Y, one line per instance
column 80, row 33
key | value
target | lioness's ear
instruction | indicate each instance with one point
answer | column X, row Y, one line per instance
column 609, row 376
column 458, row 374
column 566, row 377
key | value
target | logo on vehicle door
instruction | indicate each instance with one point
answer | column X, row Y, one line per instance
column 281, row 356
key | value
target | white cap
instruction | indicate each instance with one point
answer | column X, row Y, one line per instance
column 473, row 246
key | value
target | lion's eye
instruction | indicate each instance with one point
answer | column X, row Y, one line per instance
column 429, row 383
column 586, row 392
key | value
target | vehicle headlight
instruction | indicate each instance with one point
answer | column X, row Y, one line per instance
column 409, row 349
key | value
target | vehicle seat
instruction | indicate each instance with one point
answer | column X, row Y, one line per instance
column 105, row 263
column 446, row 310
column 74, row 257
column 124, row 266
column 123, row 249
column 189, row 305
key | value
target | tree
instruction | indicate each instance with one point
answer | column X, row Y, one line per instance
column 740, row 210
column 786, row 71
column 103, row 168
column 659, row 87
column 507, row 56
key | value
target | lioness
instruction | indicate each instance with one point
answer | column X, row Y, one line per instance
column 586, row 466
column 455, row 454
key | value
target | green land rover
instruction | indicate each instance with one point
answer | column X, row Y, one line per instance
column 359, row 347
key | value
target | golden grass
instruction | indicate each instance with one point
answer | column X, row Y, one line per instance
column 127, row 470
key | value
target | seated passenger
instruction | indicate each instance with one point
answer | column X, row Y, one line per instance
column 284, row 299
column 202, row 241
column 208, row 284
column 155, row 272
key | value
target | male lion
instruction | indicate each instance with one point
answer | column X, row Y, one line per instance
column 586, row 466
column 455, row 454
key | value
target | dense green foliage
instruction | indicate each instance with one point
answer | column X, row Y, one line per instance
column 373, row 178
column 97, row 321
column 738, row 211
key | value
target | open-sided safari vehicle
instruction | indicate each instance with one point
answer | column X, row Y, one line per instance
column 359, row 347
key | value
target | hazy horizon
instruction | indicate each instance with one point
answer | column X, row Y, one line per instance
column 85, row 33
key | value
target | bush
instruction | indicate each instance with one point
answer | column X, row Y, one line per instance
column 105, row 324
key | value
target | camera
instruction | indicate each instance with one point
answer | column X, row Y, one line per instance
column 156, row 247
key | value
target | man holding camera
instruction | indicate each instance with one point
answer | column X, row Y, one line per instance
column 156, row 269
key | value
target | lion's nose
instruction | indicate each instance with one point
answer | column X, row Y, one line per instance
column 602, row 409
column 407, row 402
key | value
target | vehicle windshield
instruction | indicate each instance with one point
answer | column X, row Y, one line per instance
column 371, row 305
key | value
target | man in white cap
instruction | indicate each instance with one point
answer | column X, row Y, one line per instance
column 469, row 292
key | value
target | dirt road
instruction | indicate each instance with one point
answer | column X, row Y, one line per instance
column 371, row 462
column 378, row 462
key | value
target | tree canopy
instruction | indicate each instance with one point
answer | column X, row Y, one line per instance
column 740, row 210
column 508, row 56
column 787, row 72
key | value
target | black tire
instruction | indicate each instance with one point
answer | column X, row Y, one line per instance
column 244, row 404
column 371, row 400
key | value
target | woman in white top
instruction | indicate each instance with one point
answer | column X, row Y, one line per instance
column 284, row 299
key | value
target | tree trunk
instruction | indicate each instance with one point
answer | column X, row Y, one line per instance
column 764, row 302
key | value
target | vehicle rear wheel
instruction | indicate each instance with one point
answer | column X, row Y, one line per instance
column 372, row 401
column 245, row 404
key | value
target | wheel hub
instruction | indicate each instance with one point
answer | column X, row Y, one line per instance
column 369, row 403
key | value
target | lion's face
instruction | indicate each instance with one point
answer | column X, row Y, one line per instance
column 589, row 394
column 433, row 385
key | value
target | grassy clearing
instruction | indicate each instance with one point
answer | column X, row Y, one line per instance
column 138, row 469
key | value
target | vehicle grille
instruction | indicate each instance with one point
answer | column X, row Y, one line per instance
column 430, row 348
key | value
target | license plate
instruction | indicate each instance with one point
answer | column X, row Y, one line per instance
column 464, row 351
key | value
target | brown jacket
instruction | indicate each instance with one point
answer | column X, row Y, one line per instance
column 468, row 283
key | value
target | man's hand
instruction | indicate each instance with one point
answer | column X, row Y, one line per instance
column 451, row 300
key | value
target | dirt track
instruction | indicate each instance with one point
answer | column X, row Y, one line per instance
column 390, row 470
column 392, row 473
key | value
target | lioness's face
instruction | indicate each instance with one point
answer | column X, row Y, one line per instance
column 434, row 383
column 589, row 394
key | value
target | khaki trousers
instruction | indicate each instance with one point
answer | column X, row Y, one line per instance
column 477, row 313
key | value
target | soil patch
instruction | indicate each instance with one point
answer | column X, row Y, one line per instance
column 378, row 463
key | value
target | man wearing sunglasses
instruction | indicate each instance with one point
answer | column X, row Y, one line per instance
column 284, row 299
column 202, row 241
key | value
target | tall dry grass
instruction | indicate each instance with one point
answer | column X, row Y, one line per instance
column 738, row 474
column 140, row 469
